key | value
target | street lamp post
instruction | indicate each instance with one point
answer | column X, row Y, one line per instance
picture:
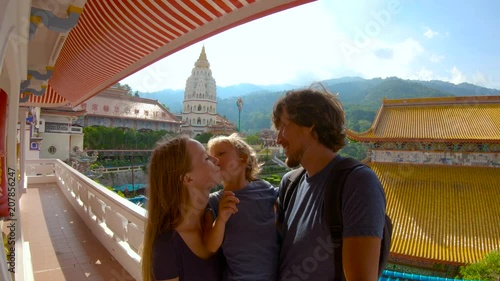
column 239, row 103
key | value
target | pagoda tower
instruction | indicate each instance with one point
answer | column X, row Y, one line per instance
column 199, row 112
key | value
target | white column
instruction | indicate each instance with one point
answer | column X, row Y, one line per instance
column 23, row 183
column 14, row 65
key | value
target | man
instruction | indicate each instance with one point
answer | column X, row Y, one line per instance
column 311, row 131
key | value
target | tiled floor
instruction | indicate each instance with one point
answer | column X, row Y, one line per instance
column 62, row 247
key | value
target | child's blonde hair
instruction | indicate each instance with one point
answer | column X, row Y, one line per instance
column 252, row 169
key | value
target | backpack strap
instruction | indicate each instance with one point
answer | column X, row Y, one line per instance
column 285, row 195
column 333, row 196
column 291, row 185
column 332, row 207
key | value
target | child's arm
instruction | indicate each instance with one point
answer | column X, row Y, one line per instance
column 213, row 230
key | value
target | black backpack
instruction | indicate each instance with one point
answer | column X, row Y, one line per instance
column 334, row 218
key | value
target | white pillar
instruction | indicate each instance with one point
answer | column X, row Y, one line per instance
column 14, row 56
column 23, row 183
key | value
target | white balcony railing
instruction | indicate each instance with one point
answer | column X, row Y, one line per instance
column 115, row 221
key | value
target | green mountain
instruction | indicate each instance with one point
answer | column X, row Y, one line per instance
column 463, row 89
column 361, row 98
column 173, row 98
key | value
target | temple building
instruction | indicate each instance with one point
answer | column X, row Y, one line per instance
column 439, row 162
column 199, row 114
column 52, row 133
column 222, row 126
column 113, row 108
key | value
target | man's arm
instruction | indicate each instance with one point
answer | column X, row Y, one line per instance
column 364, row 217
column 360, row 258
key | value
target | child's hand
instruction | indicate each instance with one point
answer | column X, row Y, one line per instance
column 227, row 205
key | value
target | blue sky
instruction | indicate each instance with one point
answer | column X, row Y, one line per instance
column 453, row 41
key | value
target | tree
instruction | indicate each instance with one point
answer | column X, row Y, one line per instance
column 164, row 105
column 253, row 139
column 355, row 150
column 487, row 269
column 203, row 138
column 364, row 125
column 136, row 94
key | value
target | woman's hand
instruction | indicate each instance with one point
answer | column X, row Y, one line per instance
column 227, row 206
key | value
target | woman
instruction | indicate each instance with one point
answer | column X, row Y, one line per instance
column 247, row 232
column 181, row 174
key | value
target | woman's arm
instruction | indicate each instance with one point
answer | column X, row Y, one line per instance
column 213, row 230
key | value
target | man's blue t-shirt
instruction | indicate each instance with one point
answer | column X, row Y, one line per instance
column 251, row 245
column 307, row 251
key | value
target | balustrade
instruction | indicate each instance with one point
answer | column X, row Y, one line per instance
column 116, row 222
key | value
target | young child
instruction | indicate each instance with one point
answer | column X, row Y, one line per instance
column 247, row 232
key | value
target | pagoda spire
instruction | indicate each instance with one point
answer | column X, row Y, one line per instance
column 202, row 59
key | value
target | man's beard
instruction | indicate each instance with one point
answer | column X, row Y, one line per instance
column 292, row 162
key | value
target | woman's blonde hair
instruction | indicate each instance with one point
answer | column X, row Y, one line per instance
column 252, row 169
column 169, row 162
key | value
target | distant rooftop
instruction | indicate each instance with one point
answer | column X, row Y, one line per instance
column 475, row 119
column 115, row 102
column 442, row 213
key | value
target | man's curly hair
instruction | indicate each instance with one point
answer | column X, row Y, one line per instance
column 317, row 108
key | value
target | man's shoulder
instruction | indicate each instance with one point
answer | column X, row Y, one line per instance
column 287, row 175
column 363, row 173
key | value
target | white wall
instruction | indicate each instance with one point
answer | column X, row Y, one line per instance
column 431, row 157
column 75, row 140
column 60, row 141
column 29, row 154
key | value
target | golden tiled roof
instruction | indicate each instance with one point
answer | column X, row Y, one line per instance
column 435, row 119
column 447, row 213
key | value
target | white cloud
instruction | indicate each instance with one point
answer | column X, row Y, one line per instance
column 312, row 42
column 429, row 33
column 457, row 76
column 424, row 74
column 403, row 57
column 436, row 58
column 272, row 50
column 483, row 80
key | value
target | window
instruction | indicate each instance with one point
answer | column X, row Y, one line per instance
column 52, row 150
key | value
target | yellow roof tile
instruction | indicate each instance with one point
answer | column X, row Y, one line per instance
column 447, row 213
column 445, row 119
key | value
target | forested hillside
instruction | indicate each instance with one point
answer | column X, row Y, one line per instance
column 361, row 98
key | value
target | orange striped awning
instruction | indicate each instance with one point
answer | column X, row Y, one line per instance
column 114, row 39
column 442, row 213
column 471, row 119
column 49, row 99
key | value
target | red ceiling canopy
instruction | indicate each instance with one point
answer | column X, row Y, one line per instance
column 114, row 39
